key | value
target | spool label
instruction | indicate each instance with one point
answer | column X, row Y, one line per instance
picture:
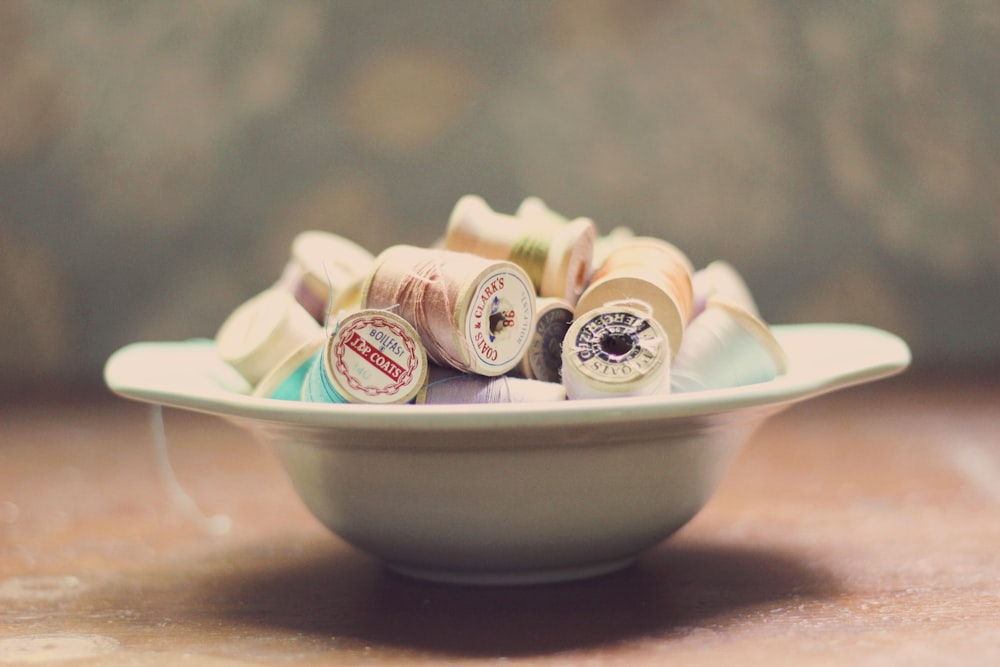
column 617, row 345
column 499, row 320
column 377, row 358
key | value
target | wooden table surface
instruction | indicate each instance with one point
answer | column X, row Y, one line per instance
column 859, row 528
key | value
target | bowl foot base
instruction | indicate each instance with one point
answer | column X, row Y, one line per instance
column 510, row 577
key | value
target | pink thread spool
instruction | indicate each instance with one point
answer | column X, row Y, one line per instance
column 374, row 356
column 721, row 279
column 325, row 273
column 471, row 313
column 450, row 386
column 649, row 270
column 262, row 331
column 726, row 346
column 556, row 255
column 616, row 350
column 543, row 358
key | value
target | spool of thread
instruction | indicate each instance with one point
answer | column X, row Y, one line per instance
column 616, row 350
column 543, row 358
column 534, row 210
column 721, row 279
column 556, row 255
column 262, row 331
column 450, row 386
column 373, row 356
column 726, row 346
column 285, row 381
column 471, row 313
column 649, row 270
column 608, row 243
column 325, row 273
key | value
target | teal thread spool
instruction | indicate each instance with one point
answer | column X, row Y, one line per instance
column 316, row 385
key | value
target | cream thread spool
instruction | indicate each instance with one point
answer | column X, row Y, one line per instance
column 471, row 313
column 649, row 270
column 262, row 331
column 373, row 356
column 726, row 346
column 448, row 386
column 721, row 279
column 543, row 358
column 616, row 350
column 285, row 381
column 534, row 210
column 557, row 256
column 325, row 272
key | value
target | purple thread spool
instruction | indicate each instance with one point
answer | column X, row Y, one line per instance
column 450, row 386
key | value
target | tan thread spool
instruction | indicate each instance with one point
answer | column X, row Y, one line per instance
column 608, row 243
column 472, row 313
column 556, row 255
column 649, row 270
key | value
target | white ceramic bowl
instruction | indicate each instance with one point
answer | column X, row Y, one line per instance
column 508, row 494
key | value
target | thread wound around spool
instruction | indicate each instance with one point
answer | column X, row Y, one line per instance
column 375, row 356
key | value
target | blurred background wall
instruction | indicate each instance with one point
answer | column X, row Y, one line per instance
column 157, row 158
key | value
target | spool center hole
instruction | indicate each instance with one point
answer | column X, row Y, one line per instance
column 616, row 344
column 496, row 323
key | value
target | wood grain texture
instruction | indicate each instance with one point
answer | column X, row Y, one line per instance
column 858, row 528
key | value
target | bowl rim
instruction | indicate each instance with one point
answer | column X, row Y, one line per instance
column 190, row 375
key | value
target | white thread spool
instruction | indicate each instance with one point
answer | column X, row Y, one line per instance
column 473, row 313
column 726, row 346
column 450, row 386
column 262, row 331
column 616, row 350
column 649, row 270
column 325, row 272
column 373, row 356
column 721, row 279
column 543, row 358
column 285, row 380
column 556, row 255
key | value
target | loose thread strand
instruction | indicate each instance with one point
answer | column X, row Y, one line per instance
column 217, row 525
